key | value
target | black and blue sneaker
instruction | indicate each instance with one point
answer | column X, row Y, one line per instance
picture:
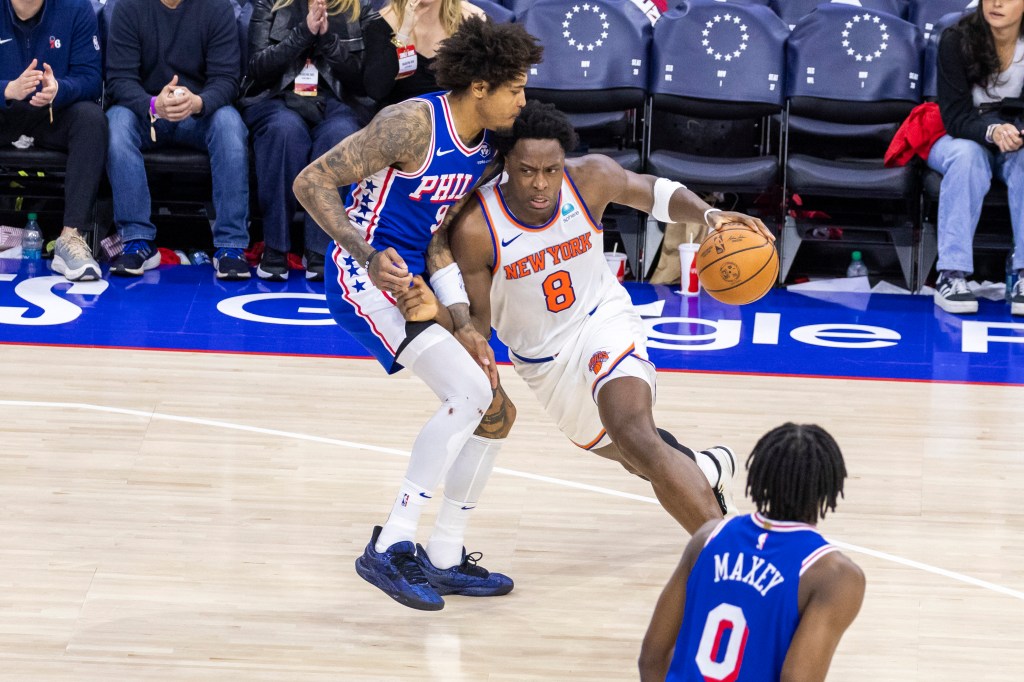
column 397, row 573
column 468, row 578
column 230, row 264
column 137, row 257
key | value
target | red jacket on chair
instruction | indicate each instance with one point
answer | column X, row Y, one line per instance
column 916, row 136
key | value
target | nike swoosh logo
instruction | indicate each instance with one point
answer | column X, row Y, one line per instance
column 7, row 40
column 468, row 508
column 442, row 153
column 425, row 495
column 506, row 243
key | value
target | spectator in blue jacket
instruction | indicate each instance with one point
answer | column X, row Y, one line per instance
column 172, row 75
column 50, row 75
column 305, row 66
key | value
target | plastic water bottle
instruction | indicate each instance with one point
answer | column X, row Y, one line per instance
column 857, row 267
column 1011, row 275
column 32, row 239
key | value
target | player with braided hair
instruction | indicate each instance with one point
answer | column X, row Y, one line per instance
column 762, row 597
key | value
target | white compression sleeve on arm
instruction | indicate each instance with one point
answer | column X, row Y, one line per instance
column 663, row 191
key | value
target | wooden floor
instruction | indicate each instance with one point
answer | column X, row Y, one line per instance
column 184, row 516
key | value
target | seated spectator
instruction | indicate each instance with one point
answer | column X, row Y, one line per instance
column 981, row 63
column 305, row 62
column 172, row 74
column 50, row 95
column 401, row 44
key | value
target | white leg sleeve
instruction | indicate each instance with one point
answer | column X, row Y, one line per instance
column 445, row 366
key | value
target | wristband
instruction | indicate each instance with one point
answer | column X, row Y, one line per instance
column 369, row 259
column 448, row 286
column 710, row 210
column 989, row 132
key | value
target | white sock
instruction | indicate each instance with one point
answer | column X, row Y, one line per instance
column 463, row 486
column 405, row 515
column 708, row 468
column 447, row 541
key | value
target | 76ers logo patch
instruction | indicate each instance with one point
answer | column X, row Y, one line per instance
column 597, row 361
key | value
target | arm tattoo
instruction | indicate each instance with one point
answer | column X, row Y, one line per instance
column 398, row 136
column 439, row 251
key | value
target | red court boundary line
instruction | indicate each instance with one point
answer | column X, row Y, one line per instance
column 660, row 369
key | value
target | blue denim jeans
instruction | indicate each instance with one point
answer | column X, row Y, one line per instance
column 221, row 134
column 284, row 144
column 967, row 170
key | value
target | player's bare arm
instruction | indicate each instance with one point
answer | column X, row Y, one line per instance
column 831, row 593
column 660, row 640
column 473, row 251
column 607, row 182
column 471, row 324
column 398, row 136
column 439, row 252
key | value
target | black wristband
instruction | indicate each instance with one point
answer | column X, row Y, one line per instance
column 369, row 259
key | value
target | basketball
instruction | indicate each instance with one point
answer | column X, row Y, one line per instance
column 737, row 265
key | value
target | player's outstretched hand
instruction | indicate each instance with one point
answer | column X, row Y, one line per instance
column 474, row 342
column 418, row 303
column 721, row 218
column 389, row 273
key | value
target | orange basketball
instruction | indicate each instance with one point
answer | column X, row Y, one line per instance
column 737, row 265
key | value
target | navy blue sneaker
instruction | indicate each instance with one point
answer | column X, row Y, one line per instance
column 468, row 578
column 230, row 264
column 398, row 574
column 137, row 257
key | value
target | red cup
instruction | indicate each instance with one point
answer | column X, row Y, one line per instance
column 689, row 284
column 616, row 263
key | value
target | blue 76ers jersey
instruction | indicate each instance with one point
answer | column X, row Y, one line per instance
column 403, row 210
column 742, row 605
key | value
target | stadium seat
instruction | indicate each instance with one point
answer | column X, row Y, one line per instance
column 595, row 69
column 719, row 65
column 496, row 11
column 792, row 11
column 926, row 14
column 843, row 108
column 517, row 6
column 931, row 51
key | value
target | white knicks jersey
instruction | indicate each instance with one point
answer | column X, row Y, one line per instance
column 547, row 279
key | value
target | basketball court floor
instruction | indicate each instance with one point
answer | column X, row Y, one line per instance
column 189, row 468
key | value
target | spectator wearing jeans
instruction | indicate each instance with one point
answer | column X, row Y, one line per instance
column 50, row 77
column 981, row 63
column 172, row 75
column 305, row 59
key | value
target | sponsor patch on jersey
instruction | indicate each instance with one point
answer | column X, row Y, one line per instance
column 569, row 211
column 597, row 361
